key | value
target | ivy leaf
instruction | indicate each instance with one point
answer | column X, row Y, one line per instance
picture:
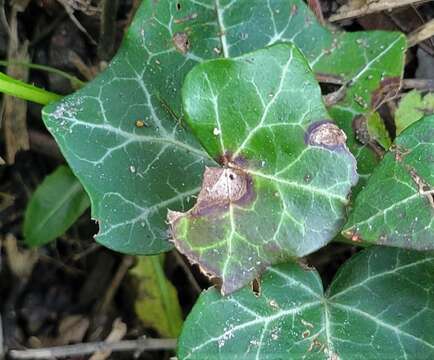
column 122, row 134
column 402, row 186
column 412, row 108
column 368, row 64
column 157, row 303
column 286, row 174
column 292, row 318
column 55, row 205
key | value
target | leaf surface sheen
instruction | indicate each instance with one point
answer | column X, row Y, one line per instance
column 286, row 174
column 396, row 207
column 122, row 134
column 380, row 305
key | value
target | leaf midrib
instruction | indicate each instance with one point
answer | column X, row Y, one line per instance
column 222, row 32
column 137, row 137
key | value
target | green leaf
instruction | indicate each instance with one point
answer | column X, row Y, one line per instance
column 396, row 207
column 379, row 306
column 55, row 205
column 122, row 135
column 286, row 172
column 377, row 130
column 157, row 304
column 413, row 108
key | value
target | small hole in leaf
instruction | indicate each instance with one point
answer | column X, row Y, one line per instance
column 256, row 287
column 178, row 6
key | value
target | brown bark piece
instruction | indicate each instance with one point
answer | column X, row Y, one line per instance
column 14, row 111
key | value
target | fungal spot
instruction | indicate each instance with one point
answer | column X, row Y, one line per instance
column 220, row 188
column 186, row 18
column 400, row 152
column 325, row 134
column 216, row 132
column 181, row 42
column 307, row 178
column 305, row 334
column 423, row 187
column 256, row 287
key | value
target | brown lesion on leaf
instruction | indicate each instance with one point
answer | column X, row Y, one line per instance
column 400, row 152
column 389, row 88
column 181, row 42
column 256, row 287
column 423, row 187
column 221, row 187
column 326, row 134
column 189, row 17
column 316, row 346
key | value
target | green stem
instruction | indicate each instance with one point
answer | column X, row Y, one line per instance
column 20, row 89
column 76, row 83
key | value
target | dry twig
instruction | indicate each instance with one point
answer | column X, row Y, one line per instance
column 421, row 34
column 419, row 84
column 139, row 346
column 368, row 7
column 14, row 110
column 70, row 11
column 126, row 263
column 316, row 8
